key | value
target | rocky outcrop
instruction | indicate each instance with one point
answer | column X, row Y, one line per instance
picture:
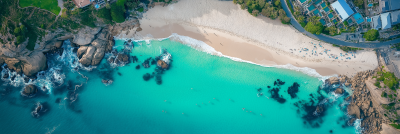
column 93, row 52
column 333, row 80
column 363, row 105
column 85, row 36
column 339, row 91
column 30, row 90
column 162, row 64
column 124, row 58
column 354, row 110
column 28, row 65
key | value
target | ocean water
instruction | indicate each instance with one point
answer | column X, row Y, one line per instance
column 200, row 93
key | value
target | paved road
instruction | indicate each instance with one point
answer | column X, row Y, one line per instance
column 332, row 40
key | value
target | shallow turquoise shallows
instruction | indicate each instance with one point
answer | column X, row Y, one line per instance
column 199, row 94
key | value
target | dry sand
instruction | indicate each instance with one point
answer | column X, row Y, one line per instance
column 235, row 33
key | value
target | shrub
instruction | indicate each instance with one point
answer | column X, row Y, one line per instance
column 117, row 13
column 371, row 35
column 314, row 28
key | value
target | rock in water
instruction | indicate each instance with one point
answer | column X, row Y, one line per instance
column 123, row 58
column 339, row 91
column 353, row 110
column 162, row 64
column 146, row 77
column 158, row 79
column 146, row 63
column 319, row 109
column 292, row 91
column 30, row 90
column 333, row 80
column 134, row 59
column 138, row 67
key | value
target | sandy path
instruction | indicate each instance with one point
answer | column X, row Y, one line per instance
column 234, row 32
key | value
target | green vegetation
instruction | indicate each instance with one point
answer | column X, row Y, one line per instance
column 332, row 30
column 397, row 46
column 290, row 6
column 388, row 106
column 141, row 9
column 88, row 19
column 273, row 11
column 359, row 3
column 51, row 5
column 347, row 49
column 395, row 126
column 389, row 79
column 377, row 84
column 314, row 26
column 384, row 94
column 371, row 35
column 390, row 96
column 105, row 14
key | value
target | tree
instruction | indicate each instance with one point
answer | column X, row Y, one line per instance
column 17, row 30
column 132, row 4
column 332, row 30
column 359, row 3
column 277, row 3
column 108, row 6
column 261, row 3
column 255, row 12
column 371, row 35
column 117, row 13
column 314, row 28
column 313, row 20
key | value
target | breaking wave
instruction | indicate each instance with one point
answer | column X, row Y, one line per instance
column 201, row 46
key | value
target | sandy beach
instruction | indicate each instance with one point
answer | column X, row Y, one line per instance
column 235, row 33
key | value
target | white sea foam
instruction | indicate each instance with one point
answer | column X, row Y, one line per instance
column 201, row 46
column 357, row 125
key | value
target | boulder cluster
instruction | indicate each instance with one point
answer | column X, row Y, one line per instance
column 362, row 105
column 92, row 43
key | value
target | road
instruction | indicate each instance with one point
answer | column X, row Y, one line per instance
column 296, row 25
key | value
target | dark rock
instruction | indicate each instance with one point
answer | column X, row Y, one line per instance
column 5, row 76
column 134, row 59
column 146, row 64
column 138, row 67
column 58, row 100
column 123, row 58
column 319, row 109
column 30, row 90
column 158, row 79
column 333, row 80
column 275, row 95
column 146, row 77
column 153, row 62
column 119, row 74
column 111, row 60
column 292, row 90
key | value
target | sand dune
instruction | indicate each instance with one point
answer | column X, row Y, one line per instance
column 234, row 32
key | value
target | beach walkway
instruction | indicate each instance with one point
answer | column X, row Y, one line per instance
column 324, row 38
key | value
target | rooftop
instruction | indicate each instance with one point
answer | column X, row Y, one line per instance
column 82, row 3
column 376, row 22
column 395, row 16
column 386, row 22
column 389, row 5
column 343, row 9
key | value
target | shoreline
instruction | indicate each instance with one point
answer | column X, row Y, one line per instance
column 233, row 44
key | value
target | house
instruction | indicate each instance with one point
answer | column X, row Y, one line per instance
column 386, row 21
column 343, row 9
column 389, row 5
column 395, row 16
column 376, row 22
column 82, row 3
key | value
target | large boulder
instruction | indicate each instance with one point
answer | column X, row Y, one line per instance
column 85, row 36
column 34, row 63
column 86, row 59
column 30, row 90
column 339, row 91
column 162, row 64
column 81, row 51
column 98, row 56
column 354, row 110
column 333, row 80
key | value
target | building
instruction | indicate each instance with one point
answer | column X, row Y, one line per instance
column 389, row 5
column 376, row 22
column 82, row 3
column 395, row 16
column 342, row 9
column 386, row 21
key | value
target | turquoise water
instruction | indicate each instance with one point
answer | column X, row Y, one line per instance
column 200, row 93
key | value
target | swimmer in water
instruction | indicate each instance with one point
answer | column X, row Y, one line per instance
column 243, row 109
